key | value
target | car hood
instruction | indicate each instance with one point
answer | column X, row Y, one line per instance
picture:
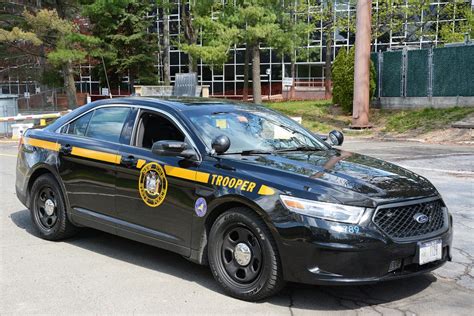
column 345, row 172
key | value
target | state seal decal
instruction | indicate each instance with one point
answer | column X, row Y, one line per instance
column 152, row 184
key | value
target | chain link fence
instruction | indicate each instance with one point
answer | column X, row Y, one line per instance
column 434, row 72
column 47, row 101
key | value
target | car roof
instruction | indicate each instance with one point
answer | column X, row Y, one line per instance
column 178, row 104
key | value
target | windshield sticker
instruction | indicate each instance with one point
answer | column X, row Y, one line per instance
column 200, row 207
column 152, row 184
column 221, row 123
column 242, row 119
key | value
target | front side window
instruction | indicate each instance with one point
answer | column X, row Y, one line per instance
column 153, row 128
column 107, row 123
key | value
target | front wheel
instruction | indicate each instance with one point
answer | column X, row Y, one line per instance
column 243, row 256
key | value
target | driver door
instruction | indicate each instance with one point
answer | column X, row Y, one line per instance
column 156, row 194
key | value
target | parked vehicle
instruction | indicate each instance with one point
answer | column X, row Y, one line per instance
column 244, row 189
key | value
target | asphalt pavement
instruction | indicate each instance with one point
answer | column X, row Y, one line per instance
column 98, row 273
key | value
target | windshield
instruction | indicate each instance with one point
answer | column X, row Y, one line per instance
column 253, row 129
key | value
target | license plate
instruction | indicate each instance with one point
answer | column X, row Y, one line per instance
column 430, row 251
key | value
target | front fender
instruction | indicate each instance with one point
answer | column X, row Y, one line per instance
column 202, row 226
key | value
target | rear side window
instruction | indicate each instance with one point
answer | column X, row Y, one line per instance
column 107, row 123
column 78, row 126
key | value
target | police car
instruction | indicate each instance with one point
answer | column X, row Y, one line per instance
column 239, row 187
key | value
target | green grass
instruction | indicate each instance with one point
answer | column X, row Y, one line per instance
column 321, row 117
column 316, row 114
column 424, row 120
column 301, row 107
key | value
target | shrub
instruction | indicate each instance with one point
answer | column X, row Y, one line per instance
column 343, row 79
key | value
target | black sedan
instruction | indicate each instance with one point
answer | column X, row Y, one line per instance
column 241, row 188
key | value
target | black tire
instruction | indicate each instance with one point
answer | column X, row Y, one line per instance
column 54, row 226
column 246, row 279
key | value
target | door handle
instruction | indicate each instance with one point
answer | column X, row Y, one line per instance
column 128, row 161
column 66, row 149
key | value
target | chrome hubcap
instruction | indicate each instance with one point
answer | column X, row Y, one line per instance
column 242, row 254
column 49, row 207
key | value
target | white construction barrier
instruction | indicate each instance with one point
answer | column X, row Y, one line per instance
column 19, row 129
column 20, row 117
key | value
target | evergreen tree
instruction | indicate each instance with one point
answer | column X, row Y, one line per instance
column 65, row 46
column 456, row 31
column 343, row 79
column 295, row 27
column 128, row 48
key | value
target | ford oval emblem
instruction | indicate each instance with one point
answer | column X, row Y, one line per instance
column 421, row 218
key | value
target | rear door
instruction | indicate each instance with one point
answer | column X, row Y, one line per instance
column 88, row 157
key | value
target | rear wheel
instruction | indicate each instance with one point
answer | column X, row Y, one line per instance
column 243, row 256
column 48, row 210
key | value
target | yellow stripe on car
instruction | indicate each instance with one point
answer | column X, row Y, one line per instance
column 42, row 144
column 264, row 190
column 182, row 173
column 97, row 155
column 140, row 163
column 202, row 177
column 177, row 172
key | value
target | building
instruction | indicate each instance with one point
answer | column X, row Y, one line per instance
column 420, row 31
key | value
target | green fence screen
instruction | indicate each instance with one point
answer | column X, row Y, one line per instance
column 453, row 71
column 417, row 74
column 449, row 72
column 391, row 74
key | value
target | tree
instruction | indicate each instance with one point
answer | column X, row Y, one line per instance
column 166, row 42
column 343, row 79
column 128, row 48
column 329, row 22
column 295, row 29
column 456, row 31
column 392, row 17
column 329, row 30
column 190, row 10
column 64, row 44
column 216, row 36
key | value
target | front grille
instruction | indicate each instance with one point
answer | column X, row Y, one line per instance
column 399, row 222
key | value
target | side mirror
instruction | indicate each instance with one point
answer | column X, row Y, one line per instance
column 336, row 138
column 220, row 144
column 173, row 148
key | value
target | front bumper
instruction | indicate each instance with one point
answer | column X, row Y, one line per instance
column 315, row 251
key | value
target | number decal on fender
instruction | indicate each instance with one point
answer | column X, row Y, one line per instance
column 351, row 229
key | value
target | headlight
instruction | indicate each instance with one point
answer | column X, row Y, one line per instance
column 329, row 211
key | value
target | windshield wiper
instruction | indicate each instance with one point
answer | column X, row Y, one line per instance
column 299, row 148
column 255, row 152
column 250, row 152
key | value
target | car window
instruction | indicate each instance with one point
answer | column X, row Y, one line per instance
column 153, row 128
column 107, row 123
column 252, row 128
column 78, row 126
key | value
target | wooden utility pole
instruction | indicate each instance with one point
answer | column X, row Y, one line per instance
column 360, row 110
